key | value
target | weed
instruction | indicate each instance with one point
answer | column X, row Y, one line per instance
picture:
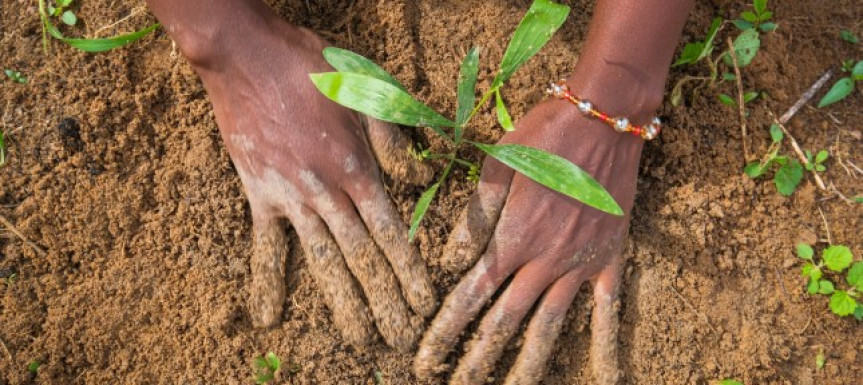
column 816, row 162
column 730, row 382
column 266, row 367
column 60, row 8
column 835, row 258
column 848, row 36
column 362, row 85
column 757, row 18
column 789, row 171
column 844, row 86
column 2, row 149
column 33, row 366
column 820, row 360
column 747, row 97
column 15, row 76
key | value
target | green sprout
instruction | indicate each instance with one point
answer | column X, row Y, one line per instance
column 849, row 36
column 15, row 76
column 757, row 18
column 835, row 258
column 363, row 86
column 844, row 86
column 820, row 360
column 816, row 162
column 33, row 366
column 747, row 97
column 789, row 171
column 266, row 368
column 730, row 382
column 87, row 45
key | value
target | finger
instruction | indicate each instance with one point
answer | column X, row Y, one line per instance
column 460, row 307
column 334, row 279
column 267, row 291
column 391, row 146
column 390, row 233
column 604, row 324
column 370, row 267
column 477, row 221
column 501, row 323
column 543, row 330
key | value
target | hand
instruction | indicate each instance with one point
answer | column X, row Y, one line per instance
column 306, row 159
column 545, row 243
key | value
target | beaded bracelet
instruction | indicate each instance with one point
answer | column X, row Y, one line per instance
column 561, row 91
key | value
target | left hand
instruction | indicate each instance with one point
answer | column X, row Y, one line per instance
column 546, row 243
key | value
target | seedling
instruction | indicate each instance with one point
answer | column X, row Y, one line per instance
column 844, row 86
column 849, row 36
column 820, row 360
column 59, row 8
column 87, row 45
column 15, row 76
column 730, row 382
column 789, row 172
column 747, row 97
column 816, row 162
column 363, row 86
column 2, row 149
column 837, row 259
column 757, row 18
column 266, row 368
column 33, row 366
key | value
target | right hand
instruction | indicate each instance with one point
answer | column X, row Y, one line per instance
column 306, row 159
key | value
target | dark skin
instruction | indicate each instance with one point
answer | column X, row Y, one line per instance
column 275, row 125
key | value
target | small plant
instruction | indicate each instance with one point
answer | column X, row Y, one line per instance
column 2, row 149
column 844, row 86
column 33, row 366
column 836, row 258
column 789, row 171
column 747, row 97
column 266, row 368
column 816, row 162
column 820, row 359
column 15, row 76
column 730, row 382
column 757, row 18
column 363, row 86
column 848, row 36
column 60, row 9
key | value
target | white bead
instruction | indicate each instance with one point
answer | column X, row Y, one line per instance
column 620, row 124
column 650, row 131
column 656, row 121
column 584, row 106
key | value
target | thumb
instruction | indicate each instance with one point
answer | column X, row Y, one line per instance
column 390, row 146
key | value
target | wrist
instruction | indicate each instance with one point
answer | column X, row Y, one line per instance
column 619, row 90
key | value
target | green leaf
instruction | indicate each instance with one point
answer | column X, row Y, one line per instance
column 820, row 360
column 765, row 16
column 755, row 169
column 742, row 24
column 842, row 304
column 825, row 287
column 804, row 251
column 467, row 87
column 555, row 173
column 100, row 45
column 821, row 156
column 378, row 99
column 273, row 361
column 857, row 71
column 848, row 36
column 502, row 114
column 64, row 3
column 745, row 47
column 858, row 199
column 776, row 133
column 759, row 5
column 768, row 26
column 33, row 366
column 855, row 275
column 69, row 18
column 346, row 61
column 730, row 382
column 420, row 210
column 820, row 168
column 749, row 96
column 728, row 76
column 749, row 16
column 812, row 287
column 788, row 177
column 533, row 32
column 839, row 91
column 858, row 312
column 693, row 52
column 727, row 100
column 837, row 257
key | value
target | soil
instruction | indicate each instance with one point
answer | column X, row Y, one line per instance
column 116, row 169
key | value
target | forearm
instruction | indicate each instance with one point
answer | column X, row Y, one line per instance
column 624, row 63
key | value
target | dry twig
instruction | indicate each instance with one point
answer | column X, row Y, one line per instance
column 826, row 227
column 15, row 231
column 11, row 358
column 739, row 99
column 802, row 156
column 805, row 97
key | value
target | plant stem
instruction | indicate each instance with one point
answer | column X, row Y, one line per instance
column 452, row 156
column 480, row 104
column 740, row 102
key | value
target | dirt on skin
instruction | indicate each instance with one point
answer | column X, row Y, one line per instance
column 116, row 169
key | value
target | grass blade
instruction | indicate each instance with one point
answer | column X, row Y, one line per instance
column 502, row 114
column 555, row 173
column 421, row 209
column 346, row 61
column 106, row 44
column 467, row 86
column 535, row 29
column 378, row 99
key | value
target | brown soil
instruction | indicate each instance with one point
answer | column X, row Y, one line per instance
column 117, row 170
